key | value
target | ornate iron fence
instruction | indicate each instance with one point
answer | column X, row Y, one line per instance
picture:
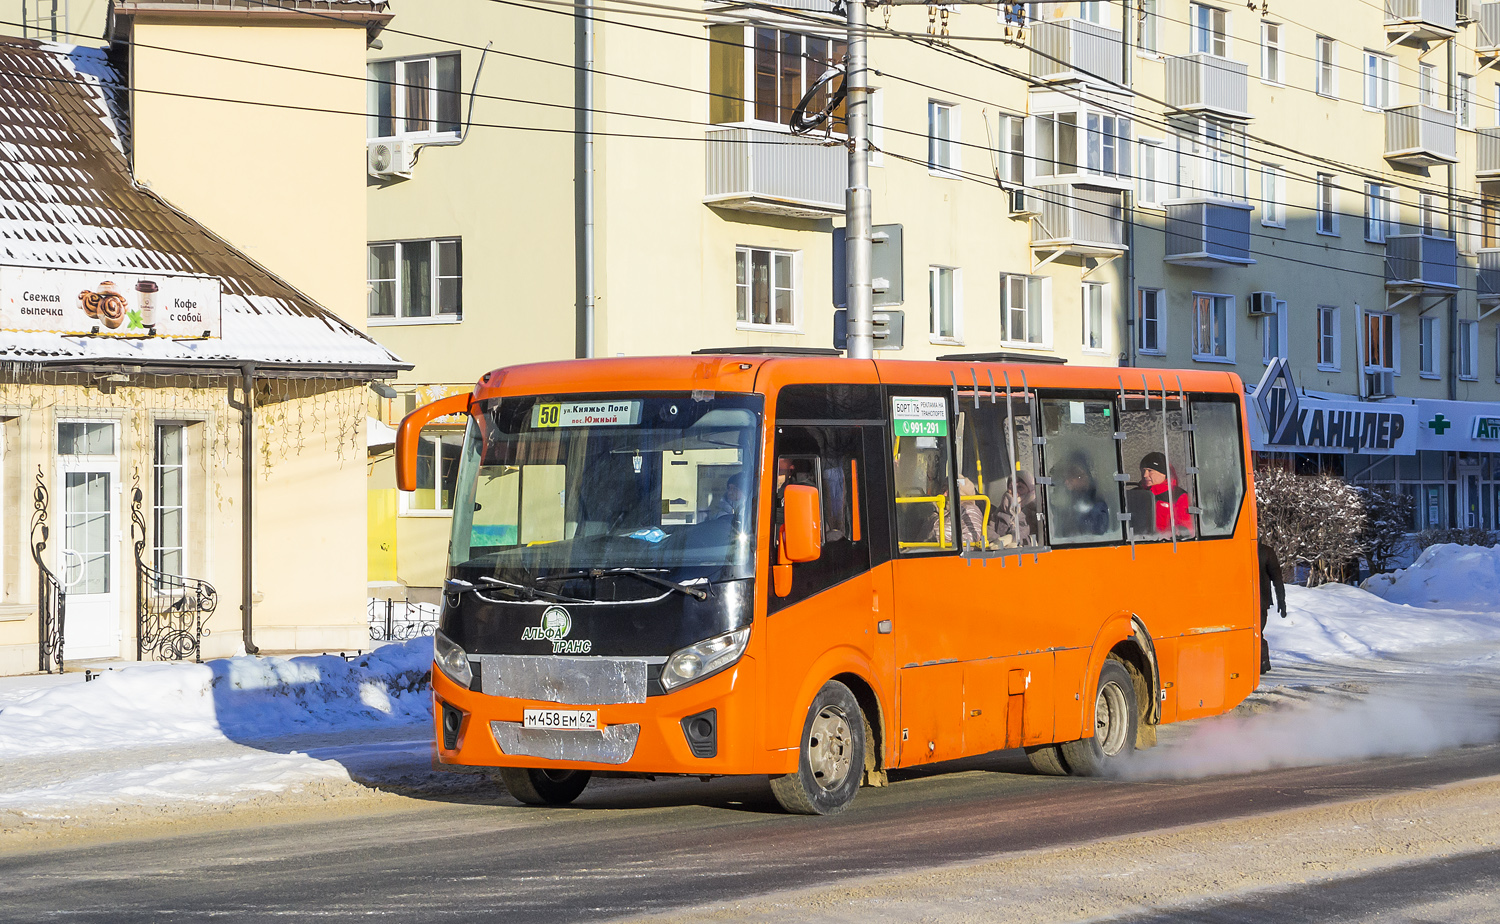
column 51, row 600
column 171, row 611
column 400, row 620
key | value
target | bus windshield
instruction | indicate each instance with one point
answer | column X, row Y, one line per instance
column 662, row 484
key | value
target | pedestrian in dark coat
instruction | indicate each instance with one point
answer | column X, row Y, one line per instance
column 1270, row 579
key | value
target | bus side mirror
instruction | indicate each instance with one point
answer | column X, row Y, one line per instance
column 802, row 523
column 410, row 432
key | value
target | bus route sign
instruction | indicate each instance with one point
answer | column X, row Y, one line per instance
column 920, row 416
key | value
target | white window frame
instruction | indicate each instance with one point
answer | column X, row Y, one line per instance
column 1430, row 347
column 1092, row 11
column 399, row 97
column 1429, row 216
column 398, row 283
column 795, row 285
column 934, row 274
column 1272, row 196
column 1097, row 136
column 1228, row 321
column 158, row 468
column 1463, row 100
column 944, row 154
column 1272, row 54
column 1088, row 291
column 1156, row 321
column 1382, row 88
column 1153, row 182
column 1427, row 83
column 1388, row 320
column 1326, row 67
column 1010, row 149
column 1211, row 157
column 1382, row 212
column 1273, row 332
column 1468, row 351
column 877, row 127
column 1329, row 339
column 1148, row 28
column 1038, row 294
column 1327, row 205
column 1497, row 103
column 406, row 508
column 1209, row 36
column 809, row 72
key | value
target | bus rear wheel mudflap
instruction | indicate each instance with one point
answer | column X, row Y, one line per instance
column 542, row 787
column 1116, row 715
column 830, row 758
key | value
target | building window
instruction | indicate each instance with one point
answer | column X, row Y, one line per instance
column 1431, row 348
column 1328, row 338
column 1380, row 81
column 1108, row 142
column 1211, row 157
column 1273, row 332
column 1213, row 327
column 946, row 304
column 1427, row 83
column 1271, row 54
column 1328, row 214
column 414, row 96
column 1147, row 26
column 416, row 280
column 438, row 451
column 1273, row 196
column 1380, row 342
column 1013, row 150
column 1327, row 67
column 1151, row 322
column 1152, row 172
column 1091, row 11
column 1463, row 100
column 1429, row 215
column 168, row 507
column 1380, row 212
column 765, row 288
column 1210, row 29
column 1093, row 317
column 1107, row 138
column 775, row 66
column 942, row 138
column 1468, row 350
column 1025, row 310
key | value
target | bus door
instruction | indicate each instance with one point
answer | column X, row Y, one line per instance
column 834, row 601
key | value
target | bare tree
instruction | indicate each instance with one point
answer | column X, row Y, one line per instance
column 1311, row 520
column 1388, row 516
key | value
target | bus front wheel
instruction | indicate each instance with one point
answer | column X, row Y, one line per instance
column 543, row 787
column 830, row 759
column 1116, row 714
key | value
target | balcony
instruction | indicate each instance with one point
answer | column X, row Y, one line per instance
column 775, row 173
column 1428, row 20
column 1487, row 41
column 1421, row 264
column 1071, row 49
column 1079, row 220
column 1487, row 150
column 1421, row 136
column 1209, row 84
column 1489, row 276
column 1208, row 233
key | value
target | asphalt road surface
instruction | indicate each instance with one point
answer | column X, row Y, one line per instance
column 630, row 847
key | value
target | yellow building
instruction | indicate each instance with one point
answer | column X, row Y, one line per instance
column 183, row 457
column 1149, row 184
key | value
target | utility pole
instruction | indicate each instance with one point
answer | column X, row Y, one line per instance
column 857, row 220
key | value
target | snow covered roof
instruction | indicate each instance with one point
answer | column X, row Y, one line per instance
column 67, row 200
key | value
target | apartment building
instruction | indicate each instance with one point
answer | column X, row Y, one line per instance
column 1147, row 184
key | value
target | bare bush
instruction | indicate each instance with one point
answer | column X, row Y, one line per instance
column 1311, row 520
column 1466, row 535
column 1387, row 518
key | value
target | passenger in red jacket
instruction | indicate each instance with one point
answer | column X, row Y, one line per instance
column 1158, row 491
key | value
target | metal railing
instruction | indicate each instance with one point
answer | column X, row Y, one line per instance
column 171, row 611
column 1208, row 232
column 1076, row 49
column 1489, row 27
column 400, row 620
column 1203, row 82
column 51, row 598
column 1421, row 261
column 774, row 172
column 1079, row 216
column 1419, row 134
column 1438, row 14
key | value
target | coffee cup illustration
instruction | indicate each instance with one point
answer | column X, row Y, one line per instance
column 145, row 296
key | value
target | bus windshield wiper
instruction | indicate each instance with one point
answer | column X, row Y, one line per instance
column 694, row 592
column 531, row 592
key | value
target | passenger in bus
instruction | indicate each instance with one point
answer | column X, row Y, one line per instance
column 1015, row 518
column 970, row 514
column 1080, row 510
column 1158, row 506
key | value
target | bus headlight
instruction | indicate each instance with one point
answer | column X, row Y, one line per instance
column 707, row 657
column 452, row 659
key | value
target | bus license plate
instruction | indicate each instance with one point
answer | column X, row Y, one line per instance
column 560, row 718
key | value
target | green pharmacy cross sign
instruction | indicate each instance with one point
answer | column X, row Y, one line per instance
column 1439, row 423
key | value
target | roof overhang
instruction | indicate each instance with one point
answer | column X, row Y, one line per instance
column 370, row 15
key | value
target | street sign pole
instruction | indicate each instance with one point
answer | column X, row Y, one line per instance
column 861, row 323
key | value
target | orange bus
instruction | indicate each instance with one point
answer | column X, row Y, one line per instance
column 820, row 569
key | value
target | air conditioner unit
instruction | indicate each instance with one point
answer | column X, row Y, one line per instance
column 1022, row 204
column 1380, row 384
column 1262, row 303
column 390, row 157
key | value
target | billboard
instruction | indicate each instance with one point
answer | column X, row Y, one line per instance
column 114, row 303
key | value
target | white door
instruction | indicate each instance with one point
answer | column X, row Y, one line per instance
column 1469, row 501
column 88, row 547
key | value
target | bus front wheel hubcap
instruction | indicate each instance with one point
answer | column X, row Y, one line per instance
column 830, row 747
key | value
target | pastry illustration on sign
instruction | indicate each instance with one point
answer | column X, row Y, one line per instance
column 104, row 304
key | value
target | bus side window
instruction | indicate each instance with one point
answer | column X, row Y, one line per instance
column 1083, row 499
column 1160, row 493
column 924, row 514
column 999, row 505
column 1219, row 457
column 831, row 460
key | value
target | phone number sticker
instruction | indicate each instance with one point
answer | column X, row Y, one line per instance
column 920, row 416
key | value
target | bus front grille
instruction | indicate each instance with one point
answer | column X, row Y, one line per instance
column 581, row 681
column 612, row 745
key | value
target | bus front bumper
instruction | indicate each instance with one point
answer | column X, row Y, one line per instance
column 648, row 737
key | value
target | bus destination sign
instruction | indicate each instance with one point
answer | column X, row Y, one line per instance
column 587, row 414
column 920, row 416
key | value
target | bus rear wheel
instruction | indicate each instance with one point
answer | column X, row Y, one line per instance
column 544, row 787
column 1047, row 759
column 830, row 759
column 1116, row 715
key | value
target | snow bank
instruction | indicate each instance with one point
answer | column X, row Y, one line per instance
column 1460, row 577
column 245, row 698
column 1337, row 622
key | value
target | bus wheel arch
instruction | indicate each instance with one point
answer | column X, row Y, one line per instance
column 1138, row 655
column 829, row 751
column 874, row 716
